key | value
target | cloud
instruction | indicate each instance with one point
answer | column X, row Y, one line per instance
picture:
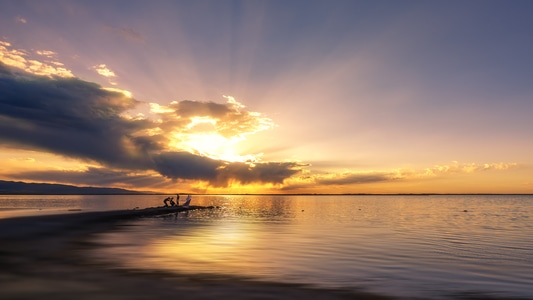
column 186, row 166
column 46, row 53
column 220, row 173
column 189, row 166
column 308, row 181
column 70, row 117
column 103, row 70
column 169, row 166
column 352, row 178
column 82, row 120
column 357, row 178
column 271, row 172
column 21, row 60
column 125, row 33
column 124, row 92
column 456, row 167
column 228, row 119
column 21, row 20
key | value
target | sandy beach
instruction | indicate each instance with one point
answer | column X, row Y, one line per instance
column 44, row 257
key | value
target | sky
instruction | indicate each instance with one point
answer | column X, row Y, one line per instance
column 268, row 96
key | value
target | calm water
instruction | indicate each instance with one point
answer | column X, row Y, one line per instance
column 412, row 246
column 28, row 205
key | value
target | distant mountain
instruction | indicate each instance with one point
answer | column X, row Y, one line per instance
column 22, row 188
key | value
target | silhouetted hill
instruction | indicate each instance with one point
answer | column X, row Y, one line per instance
column 22, row 188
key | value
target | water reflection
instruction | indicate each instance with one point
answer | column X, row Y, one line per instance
column 410, row 245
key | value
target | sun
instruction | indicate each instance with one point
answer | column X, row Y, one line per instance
column 210, row 129
column 215, row 146
column 202, row 138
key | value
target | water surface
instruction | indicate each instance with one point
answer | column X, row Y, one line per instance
column 412, row 246
column 30, row 205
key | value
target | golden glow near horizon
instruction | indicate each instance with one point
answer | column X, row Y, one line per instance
column 17, row 160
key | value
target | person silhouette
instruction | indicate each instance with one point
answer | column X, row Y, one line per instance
column 167, row 199
column 187, row 201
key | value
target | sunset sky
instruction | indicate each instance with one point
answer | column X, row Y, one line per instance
column 268, row 96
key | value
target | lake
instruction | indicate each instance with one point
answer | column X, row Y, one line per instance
column 431, row 246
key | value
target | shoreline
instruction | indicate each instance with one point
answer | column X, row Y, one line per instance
column 44, row 256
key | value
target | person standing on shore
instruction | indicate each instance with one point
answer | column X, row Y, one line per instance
column 177, row 199
column 187, row 202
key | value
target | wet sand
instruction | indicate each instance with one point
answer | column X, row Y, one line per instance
column 44, row 257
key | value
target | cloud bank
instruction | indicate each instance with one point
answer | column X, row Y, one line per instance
column 362, row 178
column 82, row 120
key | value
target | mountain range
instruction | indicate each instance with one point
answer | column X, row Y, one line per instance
column 23, row 188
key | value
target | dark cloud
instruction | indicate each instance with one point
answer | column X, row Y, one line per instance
column 271, row 172
column 186, row 165
column 309, row 182
column 71, row 117
column 219, row 173
column 79, row 119
column 357, row 179
column 5, row 70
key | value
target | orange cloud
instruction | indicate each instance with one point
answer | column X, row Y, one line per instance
column 456, row 167
column 307, row 180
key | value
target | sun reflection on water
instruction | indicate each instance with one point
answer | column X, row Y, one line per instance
column 414, row 244
column 219, row 248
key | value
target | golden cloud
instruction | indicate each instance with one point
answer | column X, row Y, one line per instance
column 20, row 60
column 46, row 53
column 456, row 167
column 123, row 92
column 103, row 70
column 308, row 180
